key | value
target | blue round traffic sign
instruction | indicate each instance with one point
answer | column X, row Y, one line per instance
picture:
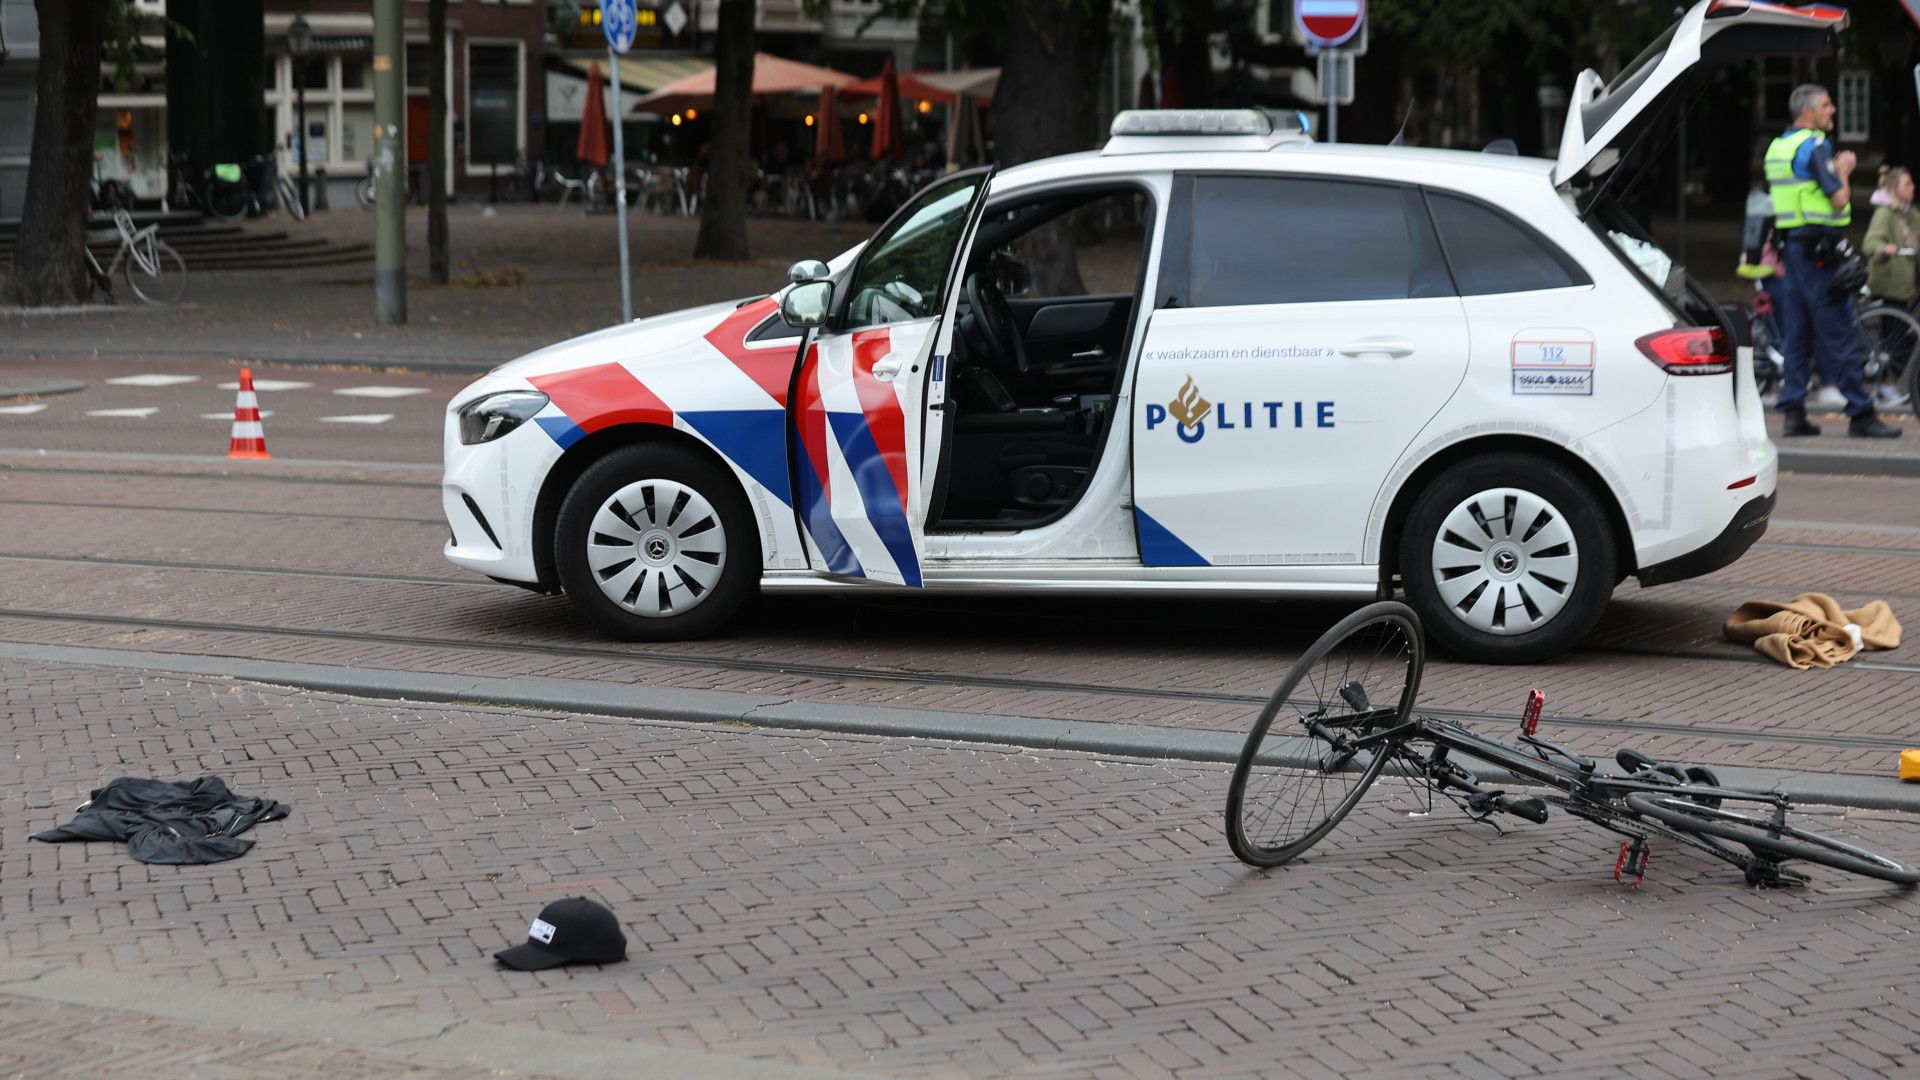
column 617, row 22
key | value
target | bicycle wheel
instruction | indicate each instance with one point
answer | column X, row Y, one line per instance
column 1299, row 772
column 1889, row 342
column 227, row 201
column 1757, row 834
column 289, row 195
column 158, row 277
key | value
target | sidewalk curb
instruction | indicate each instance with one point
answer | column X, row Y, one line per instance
column 41, row 388
column 419, row 1037
column 734, row 708
column 1845, row 463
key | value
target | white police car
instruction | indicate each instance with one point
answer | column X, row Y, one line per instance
column 1213, row 358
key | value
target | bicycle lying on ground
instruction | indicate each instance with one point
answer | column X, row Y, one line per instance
column 155, row 272
column 1344, row 714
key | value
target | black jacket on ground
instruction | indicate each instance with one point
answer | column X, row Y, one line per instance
column 171, row 823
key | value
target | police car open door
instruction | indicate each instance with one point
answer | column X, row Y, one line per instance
column 858, row 428
column 1609, row 120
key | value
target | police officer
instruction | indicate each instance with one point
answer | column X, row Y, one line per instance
column 1811, row 196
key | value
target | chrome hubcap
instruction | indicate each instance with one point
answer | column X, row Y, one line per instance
column 656, row 548
column 1505, row 561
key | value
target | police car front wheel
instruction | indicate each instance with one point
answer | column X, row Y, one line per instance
column 656, row 543
column 1508, row 559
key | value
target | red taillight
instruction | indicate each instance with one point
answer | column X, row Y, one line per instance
column 1689, row 350
column 1738, row 484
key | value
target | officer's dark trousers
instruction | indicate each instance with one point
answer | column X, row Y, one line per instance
column 1816, row 323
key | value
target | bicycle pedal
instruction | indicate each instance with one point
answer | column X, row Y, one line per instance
column 1530, row 716
column 1634, row 857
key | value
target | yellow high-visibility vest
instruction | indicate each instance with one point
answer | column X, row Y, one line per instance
column 1798, row 201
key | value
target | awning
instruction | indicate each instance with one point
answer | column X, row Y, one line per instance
column 941, row 86
column 979, row 82
column 771, row 75
column 643, row 74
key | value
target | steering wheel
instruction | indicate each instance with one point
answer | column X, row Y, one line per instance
column 999, row 334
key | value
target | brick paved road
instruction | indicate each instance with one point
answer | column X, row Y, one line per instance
column 916, row 909
column 1659, row 658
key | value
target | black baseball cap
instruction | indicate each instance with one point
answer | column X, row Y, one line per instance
column 574, row 930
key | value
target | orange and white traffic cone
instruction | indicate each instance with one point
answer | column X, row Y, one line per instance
column 249, row 438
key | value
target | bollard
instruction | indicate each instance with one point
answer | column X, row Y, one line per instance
column 320, row 190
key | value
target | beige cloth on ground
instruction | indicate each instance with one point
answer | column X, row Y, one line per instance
column 1810, row 631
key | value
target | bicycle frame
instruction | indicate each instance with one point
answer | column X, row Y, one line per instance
column 1584, row 791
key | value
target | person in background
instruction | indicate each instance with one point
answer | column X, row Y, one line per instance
column 1811, row 207
column 1892, row 236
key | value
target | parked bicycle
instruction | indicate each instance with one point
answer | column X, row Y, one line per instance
column 225, row 191
column 154, row 271
column 1345, row 714
column 1889, row 337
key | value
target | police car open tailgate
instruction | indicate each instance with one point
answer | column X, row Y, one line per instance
column 1606, row 119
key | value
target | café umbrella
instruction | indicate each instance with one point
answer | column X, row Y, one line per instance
column 887, row 139
column 592, row 147
column 829, row 144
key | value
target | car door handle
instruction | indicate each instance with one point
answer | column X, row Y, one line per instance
column 885, row 368
column 1392, row 347
column 1095, row 353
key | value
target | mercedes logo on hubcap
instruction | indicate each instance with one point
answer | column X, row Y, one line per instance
column 1505, row 562
column 656, row 548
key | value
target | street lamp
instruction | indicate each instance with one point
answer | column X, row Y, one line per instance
column 300, row 43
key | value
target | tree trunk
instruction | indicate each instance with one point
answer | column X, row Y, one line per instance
column 723, row 214
column 50, row 262
column 1055, row 52
column 437, row 258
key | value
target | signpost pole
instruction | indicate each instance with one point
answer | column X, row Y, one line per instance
column 619, row 19
column 620, row 192
column 1332, row 93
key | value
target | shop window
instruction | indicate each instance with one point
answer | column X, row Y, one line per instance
column 417, row 69
column 311, row 72
column 1855, row 95
column 493, row 104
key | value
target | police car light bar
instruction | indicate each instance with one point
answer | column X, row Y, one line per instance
column 1192, row 122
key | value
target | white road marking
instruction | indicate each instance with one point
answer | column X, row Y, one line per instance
column 22, row 410
column 380, row 391
column 265, row 385
column 360, row 418
column 153, row 380
column 228, row 415
column 140, row 413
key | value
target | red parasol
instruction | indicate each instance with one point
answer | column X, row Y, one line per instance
column 829, row 145
column 887, row 139
column 592, row 147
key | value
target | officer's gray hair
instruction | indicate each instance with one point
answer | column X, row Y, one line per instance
column 1804, row 97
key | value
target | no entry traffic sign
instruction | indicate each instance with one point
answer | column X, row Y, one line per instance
column 1328, row 23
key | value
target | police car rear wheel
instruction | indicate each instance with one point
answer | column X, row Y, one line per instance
column 1508, row 559
column 656, row 543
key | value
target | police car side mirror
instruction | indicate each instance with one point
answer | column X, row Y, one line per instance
column 806, row 304
column 807, row 270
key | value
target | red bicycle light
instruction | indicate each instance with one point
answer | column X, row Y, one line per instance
column 1530, row 716
column 1689, row 350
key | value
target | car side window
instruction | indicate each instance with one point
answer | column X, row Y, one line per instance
column 902, row 271
column 1296, row 240
column 1491, row 252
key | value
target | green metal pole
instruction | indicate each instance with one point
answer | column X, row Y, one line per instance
column 389, row 175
